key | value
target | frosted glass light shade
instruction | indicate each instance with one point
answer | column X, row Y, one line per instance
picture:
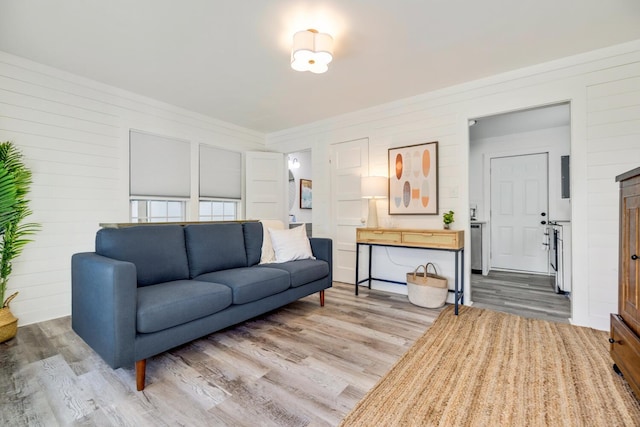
column 311, row 51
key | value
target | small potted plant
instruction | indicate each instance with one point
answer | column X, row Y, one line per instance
column 447, row 219
column 15, row 180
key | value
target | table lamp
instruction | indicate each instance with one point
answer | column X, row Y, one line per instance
column 373, row 188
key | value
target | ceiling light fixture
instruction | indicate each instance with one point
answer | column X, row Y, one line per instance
column 311, row 51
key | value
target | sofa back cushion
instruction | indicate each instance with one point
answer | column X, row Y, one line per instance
column 158, row 251
column 253, row 241
column 214, row 247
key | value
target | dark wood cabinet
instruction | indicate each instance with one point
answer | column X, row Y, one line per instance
column 625, row 326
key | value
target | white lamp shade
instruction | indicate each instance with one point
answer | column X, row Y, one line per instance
column 374, row 187
column 323, row 47
column 311, row 51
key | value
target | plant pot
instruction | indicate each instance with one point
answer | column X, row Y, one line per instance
column 8, row 322
column 446, row 226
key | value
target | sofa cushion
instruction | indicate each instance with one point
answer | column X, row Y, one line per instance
column 170, row 304
column 268, row 255
column 252, row 241
column 158, row 251
column 250, row 284
column 291, row 244
column 213, row 247
column 301, row 271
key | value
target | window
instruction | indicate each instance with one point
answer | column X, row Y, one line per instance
column 220, row 184
column 159, row 166
column 158, row 210
column 218, row 210
column 161, row 177
column 220, row 173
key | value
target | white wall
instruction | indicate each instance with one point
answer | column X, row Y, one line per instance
column 555, row 141
column 74, row 135
column 604, row 90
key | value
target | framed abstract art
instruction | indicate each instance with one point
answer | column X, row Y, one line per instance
column 413, row 179
column 306, row 194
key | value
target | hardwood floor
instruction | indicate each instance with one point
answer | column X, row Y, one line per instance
column 528, row 295
column 300, row 365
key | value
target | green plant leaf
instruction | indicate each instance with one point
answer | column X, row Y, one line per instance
column 15, row 181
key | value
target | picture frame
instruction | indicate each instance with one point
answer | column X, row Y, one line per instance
column 306, row 194
column 413, row 179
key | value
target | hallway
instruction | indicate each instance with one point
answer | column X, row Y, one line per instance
column 527, row 295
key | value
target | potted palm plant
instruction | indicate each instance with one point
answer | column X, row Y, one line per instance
column 15, row 180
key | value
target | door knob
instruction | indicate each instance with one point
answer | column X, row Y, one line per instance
column 543, row 214
column 634, row 257
column 543, row 222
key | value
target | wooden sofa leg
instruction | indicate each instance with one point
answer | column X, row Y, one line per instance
column 141, row 366
column 322, row 298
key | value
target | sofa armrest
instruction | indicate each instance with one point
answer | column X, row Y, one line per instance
column 322, row 248
column 103, row 306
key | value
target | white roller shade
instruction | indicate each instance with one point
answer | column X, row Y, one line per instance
column 220, row 173
column 158, row 166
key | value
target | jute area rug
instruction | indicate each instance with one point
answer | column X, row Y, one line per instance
column 484, row 368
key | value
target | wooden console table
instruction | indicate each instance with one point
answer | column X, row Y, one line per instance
column 439, row 240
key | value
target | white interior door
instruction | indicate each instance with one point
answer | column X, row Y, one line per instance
column 265, row 196
column 349, row 161
column 519, row 203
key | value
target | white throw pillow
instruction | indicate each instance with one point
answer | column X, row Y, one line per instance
column 292, row 244
column 268, row 255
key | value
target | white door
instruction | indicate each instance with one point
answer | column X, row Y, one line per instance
column 349, row 161
column 265, row 186
column 519, row 205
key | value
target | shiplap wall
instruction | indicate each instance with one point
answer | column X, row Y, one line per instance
column 604, row 90
column 612, row 147
column 74, row 136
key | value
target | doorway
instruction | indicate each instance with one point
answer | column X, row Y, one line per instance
column 299, row 174
column 513, row 158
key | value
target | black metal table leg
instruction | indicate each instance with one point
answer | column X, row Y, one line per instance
column 370, row 255
column 357, row 264
column 462, row 278
column 456, row 293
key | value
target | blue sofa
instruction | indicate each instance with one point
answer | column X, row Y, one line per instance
column 149, row 288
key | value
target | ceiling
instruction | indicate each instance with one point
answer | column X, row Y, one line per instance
column 529, row 120
column 229, row 59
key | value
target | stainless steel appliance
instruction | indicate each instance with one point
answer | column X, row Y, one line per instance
column 555, row 248
column 560, row 256
column 476, row 248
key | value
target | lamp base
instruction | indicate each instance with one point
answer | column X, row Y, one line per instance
column 372, row 220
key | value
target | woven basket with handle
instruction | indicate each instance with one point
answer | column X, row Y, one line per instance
column 427, row 289
column 8, row 322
